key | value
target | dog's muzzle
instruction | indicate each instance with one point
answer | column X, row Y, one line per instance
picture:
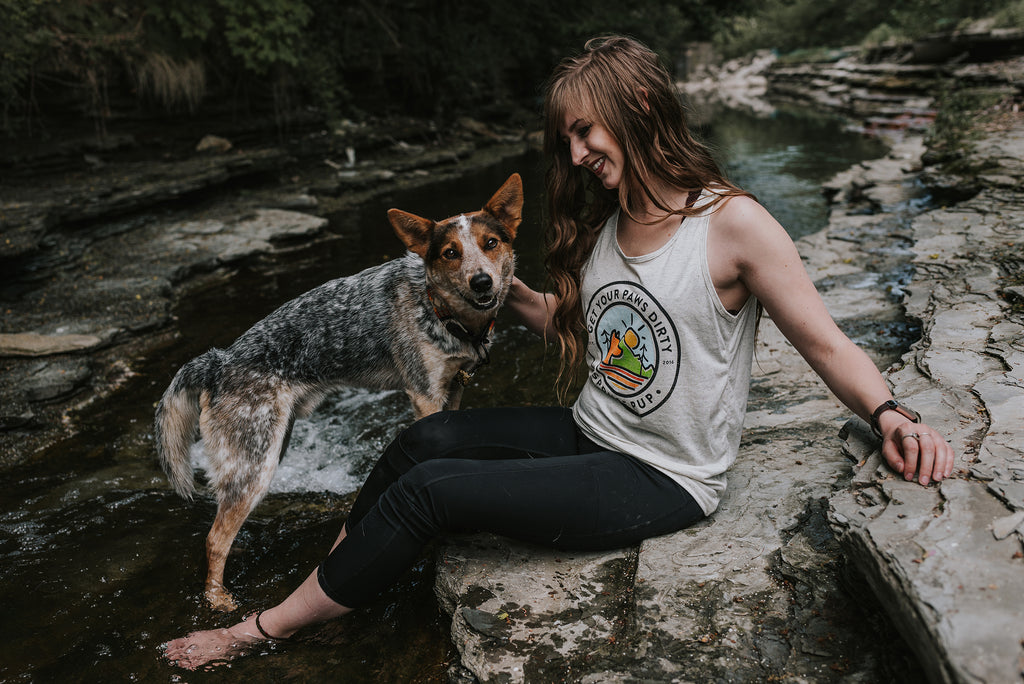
column 483, row 287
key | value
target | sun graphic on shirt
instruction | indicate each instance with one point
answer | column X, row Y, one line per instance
column 625, row 364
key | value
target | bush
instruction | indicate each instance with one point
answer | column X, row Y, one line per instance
column 1011, row 16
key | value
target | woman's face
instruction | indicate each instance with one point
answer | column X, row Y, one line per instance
column 591, row 145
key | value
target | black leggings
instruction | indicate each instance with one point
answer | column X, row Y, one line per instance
column 526, row 473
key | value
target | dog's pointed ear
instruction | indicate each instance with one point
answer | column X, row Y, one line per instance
column 413, row 230
column 507, row 204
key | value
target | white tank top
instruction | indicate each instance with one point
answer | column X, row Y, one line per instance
column 668, row 368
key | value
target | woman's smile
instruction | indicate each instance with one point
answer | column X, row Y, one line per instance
column 592, row 145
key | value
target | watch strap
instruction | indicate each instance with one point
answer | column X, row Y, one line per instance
column 892, row 405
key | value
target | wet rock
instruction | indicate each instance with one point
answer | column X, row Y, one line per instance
column 227, row 241
column 739, row 84
column 1005, row 526
column 55, row 380
column 115, row 190
column 20, row 421
column 523, row 614
column 893, row 96
column 213, row 144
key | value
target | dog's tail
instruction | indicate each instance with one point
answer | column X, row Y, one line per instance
column 177, row 420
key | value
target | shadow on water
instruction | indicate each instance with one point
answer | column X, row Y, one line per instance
column 103, row 562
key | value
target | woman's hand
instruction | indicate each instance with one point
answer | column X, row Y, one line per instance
column 534, row 309
column 911, row 448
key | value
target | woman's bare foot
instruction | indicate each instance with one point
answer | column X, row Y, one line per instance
column 213, row 646
column 306, row 605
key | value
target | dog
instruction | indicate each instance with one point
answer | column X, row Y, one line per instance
column 419, row 323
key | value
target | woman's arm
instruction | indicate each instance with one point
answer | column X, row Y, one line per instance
column 533, row 308
column 765, row 262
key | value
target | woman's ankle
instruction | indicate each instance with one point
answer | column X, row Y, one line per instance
column 267, row 626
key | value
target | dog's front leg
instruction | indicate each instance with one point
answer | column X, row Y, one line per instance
column 455, row 389
column 423, row 405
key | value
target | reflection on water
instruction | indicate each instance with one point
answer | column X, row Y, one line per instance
column 784, row 160
column 103, row 562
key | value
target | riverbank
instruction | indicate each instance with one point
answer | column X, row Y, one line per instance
column 761, row 590
column 757, row 591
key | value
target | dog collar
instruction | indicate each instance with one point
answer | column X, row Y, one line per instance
column 458, row 330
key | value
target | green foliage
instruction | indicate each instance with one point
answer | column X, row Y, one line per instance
column 883, row 34
column 192, row 21
column 264, row 33
column 787, row 25
column 423, row 57
column 435, row 57
column 24, row 41
column 960, row 112
column 259, row 34
column 1011, row 16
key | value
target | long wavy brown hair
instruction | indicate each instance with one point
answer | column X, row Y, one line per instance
column 622, row 84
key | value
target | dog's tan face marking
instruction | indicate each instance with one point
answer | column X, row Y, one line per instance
column 469, row 254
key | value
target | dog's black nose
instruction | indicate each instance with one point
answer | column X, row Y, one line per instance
column 481, row 282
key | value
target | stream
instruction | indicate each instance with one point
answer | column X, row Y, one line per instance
column 103, row 562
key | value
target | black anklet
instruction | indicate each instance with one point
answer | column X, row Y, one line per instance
column 264, row 632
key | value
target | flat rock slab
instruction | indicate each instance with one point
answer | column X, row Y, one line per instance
column 126, row 188
column 35, row 344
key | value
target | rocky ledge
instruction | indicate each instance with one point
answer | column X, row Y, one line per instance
column 779, row 583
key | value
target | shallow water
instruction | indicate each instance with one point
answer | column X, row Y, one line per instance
column 103, row 562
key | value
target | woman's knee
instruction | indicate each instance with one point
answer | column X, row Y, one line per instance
column 428, row 438
column 416, row 502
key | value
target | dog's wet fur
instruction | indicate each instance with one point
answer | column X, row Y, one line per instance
column 415, row 323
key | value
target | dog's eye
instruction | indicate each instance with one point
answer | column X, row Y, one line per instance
column 450, row 253
column 491, row 243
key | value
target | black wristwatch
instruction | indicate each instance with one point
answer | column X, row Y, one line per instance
column 892, row 405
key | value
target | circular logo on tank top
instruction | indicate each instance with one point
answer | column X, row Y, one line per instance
column 637, row 345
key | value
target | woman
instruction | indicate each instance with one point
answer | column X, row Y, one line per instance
column 659, row 268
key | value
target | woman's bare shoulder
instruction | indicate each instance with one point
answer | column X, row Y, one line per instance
column 743, row 224
column 738, row 211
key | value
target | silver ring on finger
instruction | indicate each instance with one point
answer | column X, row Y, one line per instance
column 912, row 434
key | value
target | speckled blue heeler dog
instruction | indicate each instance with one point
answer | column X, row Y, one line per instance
column 419, row 323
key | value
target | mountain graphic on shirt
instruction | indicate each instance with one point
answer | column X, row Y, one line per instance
column 623, row 364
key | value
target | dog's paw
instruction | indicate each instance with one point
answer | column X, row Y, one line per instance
column 220, row 599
